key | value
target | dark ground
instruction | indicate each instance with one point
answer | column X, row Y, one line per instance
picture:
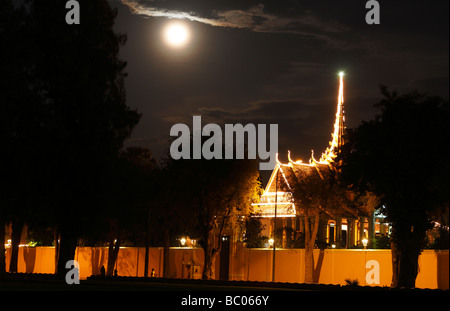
column 168, row 294
column 42, row 282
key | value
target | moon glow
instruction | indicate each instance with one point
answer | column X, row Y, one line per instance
column 176, row 35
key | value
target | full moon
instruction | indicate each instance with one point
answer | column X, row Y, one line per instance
column 176, row 34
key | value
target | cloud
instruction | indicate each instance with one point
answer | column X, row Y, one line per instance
column 142, row 9
column 258, row 110
column 254, row 18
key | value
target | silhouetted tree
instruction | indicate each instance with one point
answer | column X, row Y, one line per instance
column 168, row 216
column 20, row 128
column 316, row 192
column 132, row 197
column 83, row 83
column 217, row 193
column 402, row 156
column 320, row 194
column 66, row 113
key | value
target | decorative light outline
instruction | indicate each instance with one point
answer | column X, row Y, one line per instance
column 326, row 158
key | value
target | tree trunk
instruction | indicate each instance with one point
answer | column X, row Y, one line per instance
column 395, row 264
column 113, row 252
column 210, row 253
column 146, row 260
column 147, row 245
column 310, row 239
column 210, row 256
column 17, row 226
column 405, row 259
column 67, row 248
column 405, row 266
column 309, row 264
column 57, row 238
column 2, row 247
column 166, row 271
column 207, row 263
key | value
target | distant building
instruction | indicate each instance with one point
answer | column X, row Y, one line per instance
column 344, row 228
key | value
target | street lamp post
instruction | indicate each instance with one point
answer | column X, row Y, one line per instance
column 275, row 226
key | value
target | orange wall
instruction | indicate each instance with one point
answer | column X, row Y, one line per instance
column 130, row 261
column 338, row 265
column 246, row 264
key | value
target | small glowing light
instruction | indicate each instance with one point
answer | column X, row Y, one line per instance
column 271, row 242
column 341, row 74
column 183, row 241
column 365, row 242
column 32, row 244
column 333, row 246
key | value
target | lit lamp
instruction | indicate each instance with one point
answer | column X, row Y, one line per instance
column 364, row 242
column 183, row 241
column 271, row 242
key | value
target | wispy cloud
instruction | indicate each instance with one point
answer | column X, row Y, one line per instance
column 254, row 18
column 149, row 11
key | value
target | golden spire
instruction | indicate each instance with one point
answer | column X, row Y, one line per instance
column 337, row 136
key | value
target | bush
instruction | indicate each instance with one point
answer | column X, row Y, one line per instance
column 253, row 237
column 382, row 242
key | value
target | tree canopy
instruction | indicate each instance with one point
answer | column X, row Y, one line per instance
column 402, row 156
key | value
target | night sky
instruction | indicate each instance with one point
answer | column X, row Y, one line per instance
column 277, row 62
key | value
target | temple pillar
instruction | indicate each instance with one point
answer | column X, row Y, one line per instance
column 338, row 232
column 350, row 232
column 382, row 227
column 331, row 238
column 371, row 229
column 284, row 239
column 361, row 236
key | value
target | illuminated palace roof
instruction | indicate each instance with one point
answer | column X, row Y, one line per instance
column 283, row 199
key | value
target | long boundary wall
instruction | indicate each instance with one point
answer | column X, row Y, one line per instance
column 332, row 266
column 369, row 267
